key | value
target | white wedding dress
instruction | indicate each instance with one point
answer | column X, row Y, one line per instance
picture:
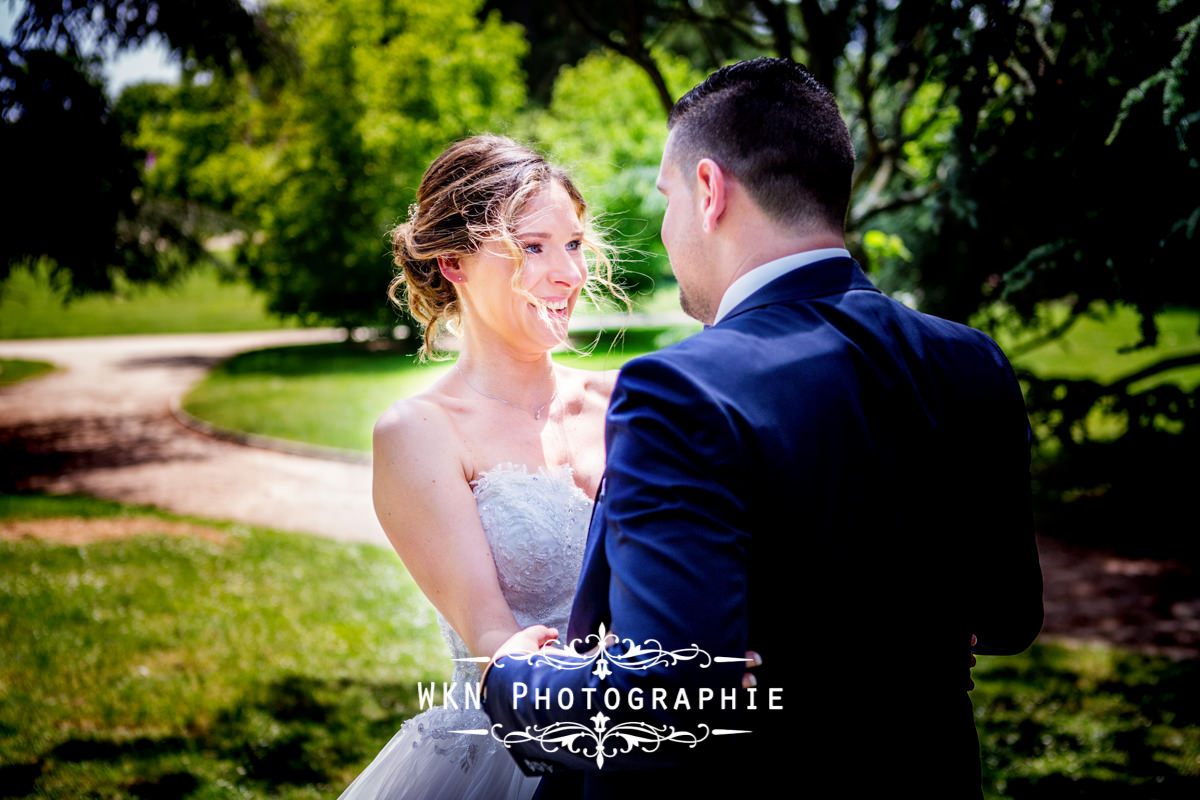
column 536, row 525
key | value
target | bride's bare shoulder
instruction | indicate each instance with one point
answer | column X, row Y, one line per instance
column 414, row 427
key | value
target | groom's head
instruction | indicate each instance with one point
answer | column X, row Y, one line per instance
column 775, row 128
column 760, row 151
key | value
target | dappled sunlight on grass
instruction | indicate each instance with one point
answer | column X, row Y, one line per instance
column 328, row 395
column 279, row 663
column 1088, row 721
column 276, row 665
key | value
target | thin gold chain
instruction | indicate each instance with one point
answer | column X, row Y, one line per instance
column 537, row 413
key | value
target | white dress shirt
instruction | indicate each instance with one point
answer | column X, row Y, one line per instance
column 760, row 276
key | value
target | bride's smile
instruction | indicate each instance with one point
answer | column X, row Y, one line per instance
column 527, row 303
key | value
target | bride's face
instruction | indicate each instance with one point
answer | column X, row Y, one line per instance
column 550, row 235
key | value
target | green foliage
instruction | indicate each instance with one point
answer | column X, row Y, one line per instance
column 82, row 203
column 205, row 34
column 382, row 88
column 260, row 664
column 888, row 257
column 928, row 122
column 184, row 132
column 37, row 302
column 1114, row 424
column 75, row 174
column 606, row 126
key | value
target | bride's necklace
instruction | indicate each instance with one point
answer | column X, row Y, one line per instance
column 537, row 412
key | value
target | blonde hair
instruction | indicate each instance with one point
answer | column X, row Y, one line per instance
column 474, row 193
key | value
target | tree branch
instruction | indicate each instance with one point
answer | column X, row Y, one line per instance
column 1045, row 338
column 863, row 211
column 1187, row 360
column 633, row 49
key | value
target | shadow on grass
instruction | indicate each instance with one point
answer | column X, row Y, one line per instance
column 322, row 359
column 1128, row 493
column 1058, row 787
column 1051, row 729
column 295, row 731
column 306, row 730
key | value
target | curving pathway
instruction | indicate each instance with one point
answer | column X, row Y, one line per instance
column 102, row 425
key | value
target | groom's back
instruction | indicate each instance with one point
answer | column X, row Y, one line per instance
column 883, row 466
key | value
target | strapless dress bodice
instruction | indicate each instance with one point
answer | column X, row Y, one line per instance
column 536, row 526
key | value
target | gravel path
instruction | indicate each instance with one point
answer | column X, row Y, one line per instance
column 102, row 425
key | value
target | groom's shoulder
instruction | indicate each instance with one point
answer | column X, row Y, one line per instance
column 696, row 353
column 968, row 339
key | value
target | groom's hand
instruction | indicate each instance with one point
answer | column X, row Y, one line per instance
column 753, row 660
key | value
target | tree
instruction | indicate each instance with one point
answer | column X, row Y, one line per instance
column 81, row 199
column 1064, row 192
column 74, row 174
column 1010, row 155
column 382, row 87
column 612, row 145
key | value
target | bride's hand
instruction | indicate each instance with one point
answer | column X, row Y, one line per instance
column 529, row 640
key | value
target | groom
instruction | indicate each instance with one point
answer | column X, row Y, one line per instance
column 822, row 475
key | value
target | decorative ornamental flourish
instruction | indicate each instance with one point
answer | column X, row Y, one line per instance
column 649, row 653
column 599, row 741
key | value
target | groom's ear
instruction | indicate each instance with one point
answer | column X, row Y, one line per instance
column 711, row 192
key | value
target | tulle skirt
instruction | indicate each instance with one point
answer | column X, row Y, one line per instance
column 425, row 761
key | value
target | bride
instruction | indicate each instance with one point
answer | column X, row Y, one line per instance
column 484, row 483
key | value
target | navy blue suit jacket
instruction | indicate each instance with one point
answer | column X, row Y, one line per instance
column 835, row 481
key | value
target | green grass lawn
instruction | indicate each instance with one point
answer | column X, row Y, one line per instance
column 265, row 664
column 32, row 306
column 331, row 394
column 275, row 665
column 16, row 369
column 327, row 394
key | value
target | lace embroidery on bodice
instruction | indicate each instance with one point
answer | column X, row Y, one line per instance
column 536, row 525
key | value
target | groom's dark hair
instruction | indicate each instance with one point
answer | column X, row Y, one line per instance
column 772, row 125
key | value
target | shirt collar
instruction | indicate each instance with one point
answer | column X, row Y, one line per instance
column 760, row 276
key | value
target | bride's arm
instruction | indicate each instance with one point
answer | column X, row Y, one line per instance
column 428, row 512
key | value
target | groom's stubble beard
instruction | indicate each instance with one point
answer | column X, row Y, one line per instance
column 699, row 311
column 692, row 298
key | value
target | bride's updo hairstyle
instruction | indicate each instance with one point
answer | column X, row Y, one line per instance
column 474, row 193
